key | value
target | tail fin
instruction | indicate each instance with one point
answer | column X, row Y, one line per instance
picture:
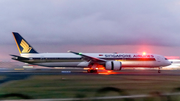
column 22, row 45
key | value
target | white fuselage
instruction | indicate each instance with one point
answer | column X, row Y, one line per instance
column 73, row 60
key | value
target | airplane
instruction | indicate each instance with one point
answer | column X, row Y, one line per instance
column 109, row 61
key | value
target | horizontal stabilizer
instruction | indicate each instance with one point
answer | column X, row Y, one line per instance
column 19, row 58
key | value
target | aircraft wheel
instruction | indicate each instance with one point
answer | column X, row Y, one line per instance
column 91, row 71
column 94, row 71
column 159, row 71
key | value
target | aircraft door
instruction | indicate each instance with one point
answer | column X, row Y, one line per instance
column 158, row 59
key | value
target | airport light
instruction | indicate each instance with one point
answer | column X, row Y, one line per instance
column 144, row 53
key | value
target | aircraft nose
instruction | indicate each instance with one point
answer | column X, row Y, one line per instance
column 170, row 62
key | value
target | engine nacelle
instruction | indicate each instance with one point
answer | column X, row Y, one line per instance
column 113, row 65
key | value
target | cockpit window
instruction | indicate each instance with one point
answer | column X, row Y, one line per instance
column 166, row 59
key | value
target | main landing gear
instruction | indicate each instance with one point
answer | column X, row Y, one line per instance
column 92, row 68
column 92, row 71
column 159, row 70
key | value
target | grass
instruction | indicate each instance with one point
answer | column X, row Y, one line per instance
column 70, row 86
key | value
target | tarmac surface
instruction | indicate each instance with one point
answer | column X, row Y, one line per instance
column 12, row 74
column 39, row 71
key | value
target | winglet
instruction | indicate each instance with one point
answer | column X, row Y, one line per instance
column 69, row 51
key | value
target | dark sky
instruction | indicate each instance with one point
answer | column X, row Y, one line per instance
column 103, row 25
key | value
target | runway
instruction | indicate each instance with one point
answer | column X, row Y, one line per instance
column 12, row 74
column 39, row 71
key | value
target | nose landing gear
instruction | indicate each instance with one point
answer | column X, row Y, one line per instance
column 159, row 70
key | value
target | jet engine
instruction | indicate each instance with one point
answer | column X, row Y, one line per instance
column 113, row 65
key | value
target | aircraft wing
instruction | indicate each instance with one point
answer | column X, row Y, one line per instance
column 88, row 58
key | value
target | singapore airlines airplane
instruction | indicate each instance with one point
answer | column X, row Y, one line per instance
column 110, row 61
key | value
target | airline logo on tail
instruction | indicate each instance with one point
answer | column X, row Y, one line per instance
column 25, row 46
column 22, row 45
